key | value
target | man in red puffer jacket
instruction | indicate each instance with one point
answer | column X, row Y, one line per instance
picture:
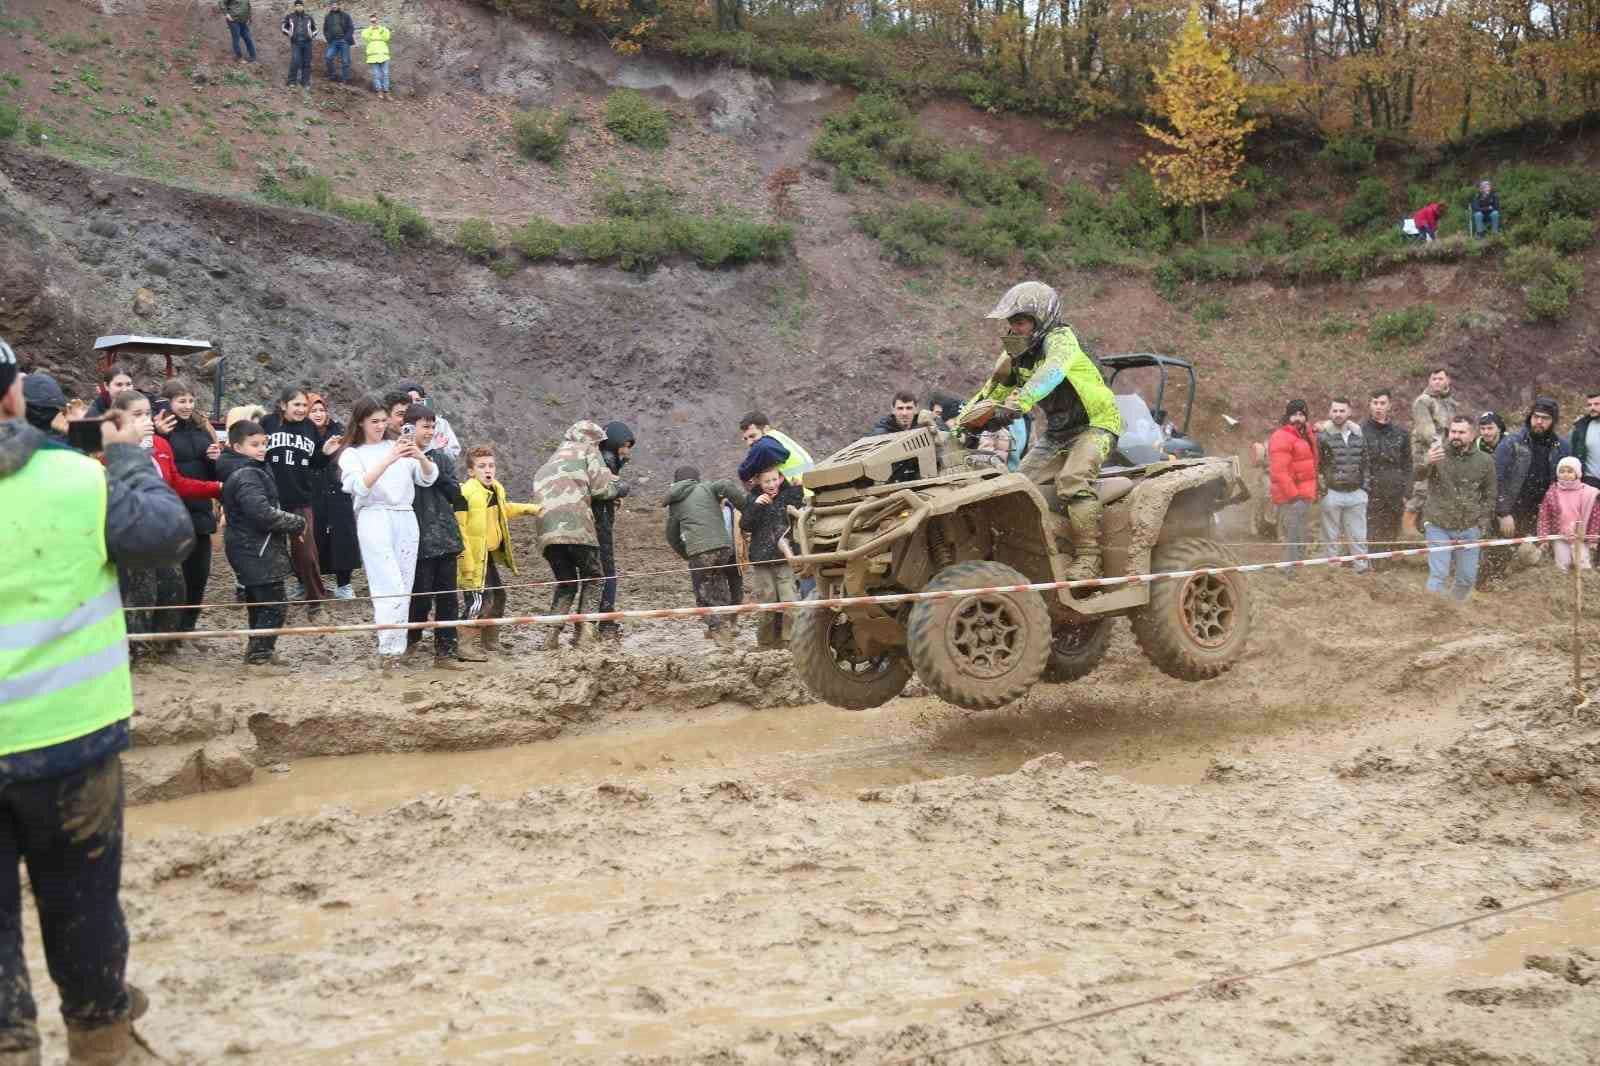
column 1292, row 464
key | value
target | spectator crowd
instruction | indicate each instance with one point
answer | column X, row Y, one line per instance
column 1453, row 476
column 302, row 31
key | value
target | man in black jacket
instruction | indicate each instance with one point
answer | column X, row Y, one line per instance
column 1342, row 483
column 339, row 33
column 439, row 547
column 1388, row 470
column 616, row 449
column 1525, row 468
column 1585, row 443
column 301, row 29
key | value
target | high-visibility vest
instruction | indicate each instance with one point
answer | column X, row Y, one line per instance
column 63, row 645
column 799, row 460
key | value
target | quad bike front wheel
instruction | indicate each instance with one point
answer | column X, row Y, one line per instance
column 1196, row 627
column 823, row 647
column 984, row 650
column 1076, row 648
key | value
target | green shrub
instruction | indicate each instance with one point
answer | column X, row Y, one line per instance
column 541, row 133
column 853, row 140
column 1542, row 194
column 1213, row 264
column 910, row 233
column 1349, row 154
column 1548, row 282
column 648, row 199
column 1369, row 207
column 477, row 237
column 631, row 116
column 396, row 223
column 1268, row 240
column 538, row 239
column 1343, row 258
column 1307, row 227
column 1165, row 279
column 726, row 239
column 1569, row 235
column 1392, row 329
column 1208, row 311
column 10, row 121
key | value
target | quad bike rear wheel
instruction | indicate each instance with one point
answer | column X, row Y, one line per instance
column 1197, row 627
column 979, row 651
column 1076, row 648
column 822, row 644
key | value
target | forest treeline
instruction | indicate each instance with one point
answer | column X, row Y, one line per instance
column 1431, row 71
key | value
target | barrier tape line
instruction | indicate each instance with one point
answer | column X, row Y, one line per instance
column 667, row 613
column 1250, row 975
column 1257, row 545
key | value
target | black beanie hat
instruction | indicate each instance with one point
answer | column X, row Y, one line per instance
column 686, row 473
column 1544, row 405
column 1295, row 407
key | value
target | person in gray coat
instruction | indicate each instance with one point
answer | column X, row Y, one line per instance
column 699, row 533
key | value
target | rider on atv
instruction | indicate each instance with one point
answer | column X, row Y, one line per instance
column 1044, row 366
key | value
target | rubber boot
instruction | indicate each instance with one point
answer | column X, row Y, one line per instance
column 468, row 654
column 1083, row 524
column 109, row 1045
column 588, row 603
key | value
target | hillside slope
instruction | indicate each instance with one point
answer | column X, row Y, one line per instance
column 151, row 141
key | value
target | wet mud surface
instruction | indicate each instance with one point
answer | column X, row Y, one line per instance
column 692, row 864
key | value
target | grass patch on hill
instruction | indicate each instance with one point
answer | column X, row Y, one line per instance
column 397, row 223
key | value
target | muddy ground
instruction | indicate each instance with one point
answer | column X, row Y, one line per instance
column 663, row 855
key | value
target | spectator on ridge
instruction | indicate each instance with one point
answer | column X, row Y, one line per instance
column 1292, row 463
column 68, row 701
column 1585, row 443
column 1570, row 503
column 1431, row 413
column 615, row 450
column 375, row 40
column 237, row 14
column 1388, row 469
column 1525, row 468
column 1427, row 220
column 696, row 531
column 301, row 29
column 339, row 33
column 1461, row 485
column 565, row 489
column 1342, row 477
column 1485, row 209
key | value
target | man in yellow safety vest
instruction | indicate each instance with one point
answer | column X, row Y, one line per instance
column 65, row 699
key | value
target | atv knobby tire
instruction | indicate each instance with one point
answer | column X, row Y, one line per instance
column 983, row 651
column 1076, row 648
column 1196, row 627
column 823, row 650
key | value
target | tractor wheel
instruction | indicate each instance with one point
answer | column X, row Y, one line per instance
column 979, row 651
column 822, row 644
column 1076, row 648
column 1196, row 627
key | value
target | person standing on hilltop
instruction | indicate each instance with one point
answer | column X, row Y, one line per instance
column 1430, row 420
column 1042, row 365
column 237, row 14
column 1292, row 471
column 375, row 41
column 339, row 33
column 301, row 29
column 1389, row 469
column 67, row 523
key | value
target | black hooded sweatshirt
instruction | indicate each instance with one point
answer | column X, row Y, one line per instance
column 294, row 453
column 605, row 511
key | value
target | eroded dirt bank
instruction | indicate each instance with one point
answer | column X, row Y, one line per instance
column 725, row 882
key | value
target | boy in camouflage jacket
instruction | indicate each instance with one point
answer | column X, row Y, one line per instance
column 565, row 487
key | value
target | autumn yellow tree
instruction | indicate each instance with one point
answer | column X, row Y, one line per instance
column 1199, row 94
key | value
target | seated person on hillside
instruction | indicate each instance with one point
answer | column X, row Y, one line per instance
column 1427, row 221
column 1485, row 209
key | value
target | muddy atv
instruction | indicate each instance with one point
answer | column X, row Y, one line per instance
column 868, row 531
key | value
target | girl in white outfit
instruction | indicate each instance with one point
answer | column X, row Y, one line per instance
column 381, row 475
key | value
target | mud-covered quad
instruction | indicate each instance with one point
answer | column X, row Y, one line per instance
column 864, row 534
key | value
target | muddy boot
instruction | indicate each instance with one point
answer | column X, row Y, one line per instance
column 109, row 1045
column 588, row 603
column 468, row 654
column 1083, row 524
column 584, row 634
column 446, row 657
column 552, row 638
column 32, row 1055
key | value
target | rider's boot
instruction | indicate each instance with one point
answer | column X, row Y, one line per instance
column 1083, row 526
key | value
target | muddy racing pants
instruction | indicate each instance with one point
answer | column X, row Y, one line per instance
column 717, row 583
column 773, row 583
column 69, row 831
column 1072, row 461
column 389, row 554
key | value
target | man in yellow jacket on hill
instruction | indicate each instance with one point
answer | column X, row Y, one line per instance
column 486, row 531
column 375, row 40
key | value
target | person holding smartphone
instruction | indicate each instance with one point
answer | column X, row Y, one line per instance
column 194, row 449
